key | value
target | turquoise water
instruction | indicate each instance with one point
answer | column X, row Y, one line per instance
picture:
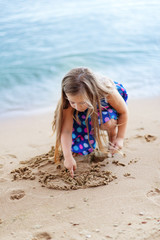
column 41, row 40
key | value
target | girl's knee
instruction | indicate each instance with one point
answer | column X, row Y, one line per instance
column 109, row 125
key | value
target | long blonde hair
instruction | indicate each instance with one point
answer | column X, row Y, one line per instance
column 82, row 81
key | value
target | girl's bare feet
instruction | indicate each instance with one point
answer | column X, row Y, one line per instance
column 74, row 154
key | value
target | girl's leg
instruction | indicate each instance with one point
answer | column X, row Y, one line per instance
column 111, row 128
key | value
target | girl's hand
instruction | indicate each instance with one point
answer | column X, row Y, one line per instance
column 116, row 145
column 71, row 165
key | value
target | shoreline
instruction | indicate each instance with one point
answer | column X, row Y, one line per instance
column 126, row 208
column 40, row 111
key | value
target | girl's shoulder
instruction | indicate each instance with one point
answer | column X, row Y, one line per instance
column 68, row 111
column 106, row 81
column 67, row 121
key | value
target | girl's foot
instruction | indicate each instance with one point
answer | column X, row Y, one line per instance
column 74, row 154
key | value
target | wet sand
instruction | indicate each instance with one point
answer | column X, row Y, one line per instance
column 109, row 198
column 90, row 172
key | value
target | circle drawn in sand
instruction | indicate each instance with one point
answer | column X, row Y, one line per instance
column 89, row 173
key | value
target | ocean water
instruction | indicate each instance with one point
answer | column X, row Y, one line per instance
column 42, row 40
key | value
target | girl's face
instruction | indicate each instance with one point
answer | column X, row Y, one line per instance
column 79, row 102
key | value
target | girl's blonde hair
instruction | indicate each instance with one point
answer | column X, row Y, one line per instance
column 82, row 81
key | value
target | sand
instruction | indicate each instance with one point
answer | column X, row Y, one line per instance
column 109, row 197
column 89, row 173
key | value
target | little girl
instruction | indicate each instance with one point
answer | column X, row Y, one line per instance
column 90, row 105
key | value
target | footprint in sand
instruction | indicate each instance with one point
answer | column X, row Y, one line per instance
column 17, row 194
column 147, row 137
column 154, row 196
column 42, row 236
column 150, row 138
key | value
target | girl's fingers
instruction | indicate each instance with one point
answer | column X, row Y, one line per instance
column 114, row 149
column 117, row 149
column 74, row 167
column 72, row 172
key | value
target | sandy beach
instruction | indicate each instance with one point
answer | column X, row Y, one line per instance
column 125, row 206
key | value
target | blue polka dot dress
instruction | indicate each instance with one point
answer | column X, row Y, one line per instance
column 80, row 142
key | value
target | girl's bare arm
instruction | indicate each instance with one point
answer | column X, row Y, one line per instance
column 66, row 140
column 66, row 134
column 118, row 103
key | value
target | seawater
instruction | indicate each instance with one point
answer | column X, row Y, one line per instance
column 42, row 40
